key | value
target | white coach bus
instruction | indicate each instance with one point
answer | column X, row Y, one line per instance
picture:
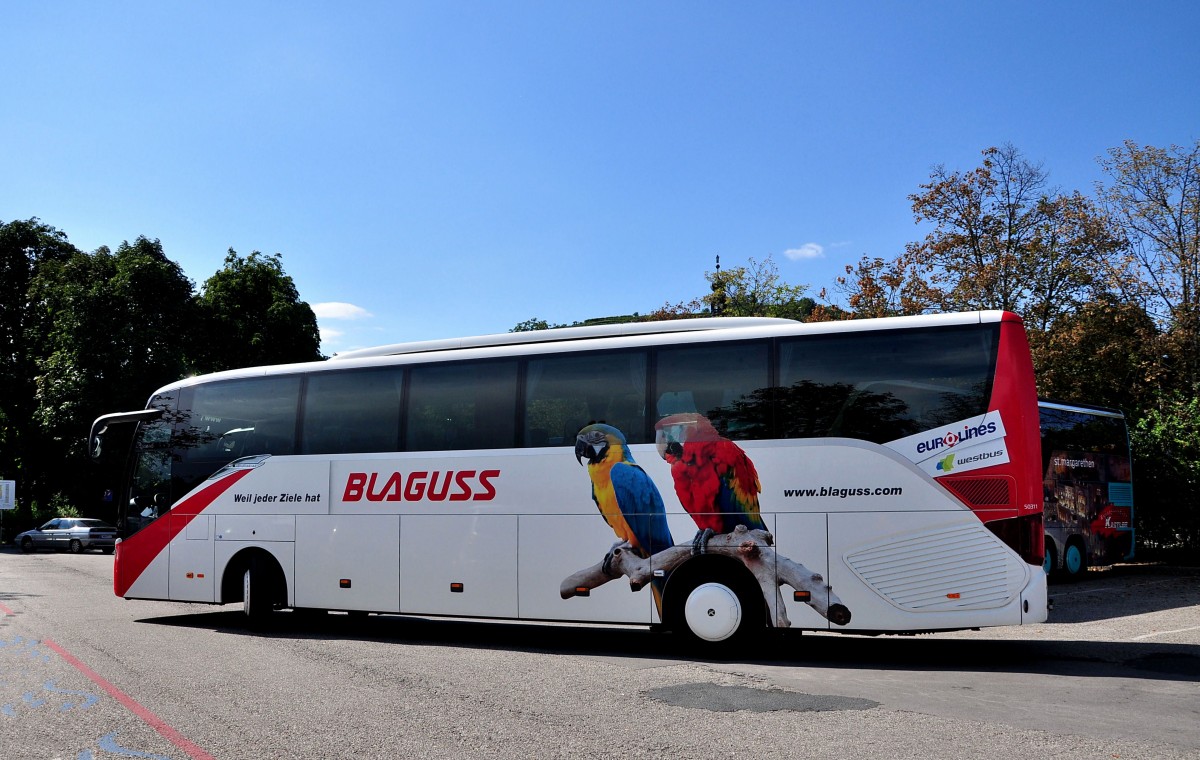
column 867, row 476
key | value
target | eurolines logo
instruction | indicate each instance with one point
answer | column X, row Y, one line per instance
column 947, row 464
column 954, row 437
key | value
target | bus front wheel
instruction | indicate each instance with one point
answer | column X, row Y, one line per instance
column 258, row 592
column 1050, row 559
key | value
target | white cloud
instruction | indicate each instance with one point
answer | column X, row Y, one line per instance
column 339, row 310
column 328, row 333
column 806, row 251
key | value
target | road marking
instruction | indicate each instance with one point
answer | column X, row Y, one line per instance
column 1165, row 633
column 6, row 610
column 1085, row 591
column 1110, row 588
column 152, row 720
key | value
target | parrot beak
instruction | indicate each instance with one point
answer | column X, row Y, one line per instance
column 667, row 443
column 592, row 445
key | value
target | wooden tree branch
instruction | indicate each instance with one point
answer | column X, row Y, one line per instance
column 753, row 548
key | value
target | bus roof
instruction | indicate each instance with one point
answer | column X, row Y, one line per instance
column 563, row 334
column 601, row 337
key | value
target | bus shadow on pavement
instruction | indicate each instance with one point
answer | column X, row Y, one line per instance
column 931, row 653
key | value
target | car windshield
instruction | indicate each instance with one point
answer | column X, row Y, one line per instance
column 93, row 524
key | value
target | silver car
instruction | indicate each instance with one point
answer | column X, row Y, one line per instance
column 74, row 534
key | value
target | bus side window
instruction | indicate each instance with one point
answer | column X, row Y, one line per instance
column 565, row 393
column 352, row 412
column 728, row 384
column 464, row 405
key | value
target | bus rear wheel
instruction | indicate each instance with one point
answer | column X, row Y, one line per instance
column 715, row 610
column 1074, row 561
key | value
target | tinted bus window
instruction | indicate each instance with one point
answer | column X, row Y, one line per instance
column 224, row 421
column 727, row 384
column 352, row 412
column 565, row 393
column 468, row 405
column 884, row 385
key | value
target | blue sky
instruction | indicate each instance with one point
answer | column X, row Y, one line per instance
column 453, row 168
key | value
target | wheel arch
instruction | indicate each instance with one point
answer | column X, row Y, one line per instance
column 709, row 567
column 235, row 569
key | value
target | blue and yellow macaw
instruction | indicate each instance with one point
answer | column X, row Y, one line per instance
column 626, row 496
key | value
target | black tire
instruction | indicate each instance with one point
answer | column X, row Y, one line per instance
column 717, row 610
column 1074, row 566
column 1050, row 558
column 75, row 547
column 27, row 545
column 258, row 592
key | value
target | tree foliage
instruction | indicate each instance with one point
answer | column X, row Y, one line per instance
column 1166, row 446
column 1107, row 286
column 252, row 314
column 1154, row 194
column 755, row 289
column 83, row 334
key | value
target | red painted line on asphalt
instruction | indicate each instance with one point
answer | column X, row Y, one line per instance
column 6, row 610
column 152, row 720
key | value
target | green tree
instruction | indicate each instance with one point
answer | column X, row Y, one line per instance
column 1166, row 445
column 1107, row 352
column 113, row 327
column 26, row 248
column 532, row 324
column 753, row 290
column 120, row 325
column 1154, row 195
column 252, row 314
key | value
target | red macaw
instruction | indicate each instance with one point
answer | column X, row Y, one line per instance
column 715, row 481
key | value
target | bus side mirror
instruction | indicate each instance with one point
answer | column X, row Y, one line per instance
column 100, row 426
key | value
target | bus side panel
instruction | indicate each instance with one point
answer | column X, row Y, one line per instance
column 191, row 560
column 555, row 547
column 151, row 581
column 916, row 571
column 348, row 562
column 803, row 539
column 459, row 565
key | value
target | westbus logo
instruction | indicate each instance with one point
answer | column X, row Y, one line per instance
column 421, row 485
column 955, row 437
